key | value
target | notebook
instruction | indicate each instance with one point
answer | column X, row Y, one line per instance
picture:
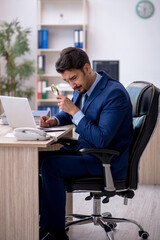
column 19, row 113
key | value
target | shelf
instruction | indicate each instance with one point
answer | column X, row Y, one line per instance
column 61, row 0
column 47, row 100
column 48, row 25
column 48, row 50
column 65, row 90
column 49, row 76
column 62, row 13
column 60, row 89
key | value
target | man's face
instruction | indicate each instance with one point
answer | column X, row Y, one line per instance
column 79, row 80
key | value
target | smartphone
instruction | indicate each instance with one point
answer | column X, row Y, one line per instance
column 54, row 89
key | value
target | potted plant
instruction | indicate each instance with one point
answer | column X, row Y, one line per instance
column 14, row 44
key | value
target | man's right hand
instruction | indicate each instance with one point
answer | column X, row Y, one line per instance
column 46, row 121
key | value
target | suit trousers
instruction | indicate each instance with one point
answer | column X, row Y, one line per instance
column 55, row 167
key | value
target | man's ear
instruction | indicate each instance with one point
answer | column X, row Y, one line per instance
column 87, row 68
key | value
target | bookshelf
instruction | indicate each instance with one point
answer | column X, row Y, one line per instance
column 60, row 18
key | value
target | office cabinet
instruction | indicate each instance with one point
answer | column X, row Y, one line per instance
column 150, row 165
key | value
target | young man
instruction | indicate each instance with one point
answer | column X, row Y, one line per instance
column 104, row 120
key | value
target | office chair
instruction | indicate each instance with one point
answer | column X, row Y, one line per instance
column 145, row 100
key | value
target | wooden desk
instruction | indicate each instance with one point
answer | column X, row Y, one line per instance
column 19, row 198
column 150, row 164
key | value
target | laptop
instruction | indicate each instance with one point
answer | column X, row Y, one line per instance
column 19, row 113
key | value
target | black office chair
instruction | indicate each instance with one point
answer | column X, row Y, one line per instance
column 145, row 100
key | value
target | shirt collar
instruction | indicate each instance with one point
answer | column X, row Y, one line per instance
column 94, row 84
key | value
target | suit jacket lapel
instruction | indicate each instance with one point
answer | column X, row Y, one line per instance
column 97, row 90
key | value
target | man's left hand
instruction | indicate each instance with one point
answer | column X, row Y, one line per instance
column 67, row 105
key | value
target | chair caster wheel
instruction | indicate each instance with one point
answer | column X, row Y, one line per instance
column 143, row 234
column 112, row 225
column 107, row 228
column 66, row 229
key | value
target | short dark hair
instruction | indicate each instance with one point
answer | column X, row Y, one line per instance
column 71, row 58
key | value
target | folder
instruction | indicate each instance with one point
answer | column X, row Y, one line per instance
column 43, row 38
column 53, row 109
column 39, row 89
column 80, row 38
column 44, row 92
column 41, row 63
column 76, row 38
column 39, row 38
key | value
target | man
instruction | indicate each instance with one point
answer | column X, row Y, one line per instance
column 104, row 120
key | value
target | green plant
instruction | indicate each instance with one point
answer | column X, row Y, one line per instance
column 14, row 44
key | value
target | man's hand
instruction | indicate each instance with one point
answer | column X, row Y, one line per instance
column 67, row 105
column 46, row 121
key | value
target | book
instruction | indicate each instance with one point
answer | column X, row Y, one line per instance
column 36, row 114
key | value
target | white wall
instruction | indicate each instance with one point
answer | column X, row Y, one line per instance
column 115, row 32
column 25, row 11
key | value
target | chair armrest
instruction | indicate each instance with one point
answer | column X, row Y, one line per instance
column 105, row 156
column 67, row 141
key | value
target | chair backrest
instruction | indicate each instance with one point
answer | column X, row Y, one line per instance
column 145, row 101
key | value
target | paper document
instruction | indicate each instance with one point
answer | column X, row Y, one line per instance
column 52, row 129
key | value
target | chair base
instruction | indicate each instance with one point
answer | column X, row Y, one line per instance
column 96, row 220
column 105, row 220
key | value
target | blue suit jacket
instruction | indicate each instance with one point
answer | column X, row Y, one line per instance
column 107, row 122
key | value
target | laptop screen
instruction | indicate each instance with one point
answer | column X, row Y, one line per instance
column 18, row 112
